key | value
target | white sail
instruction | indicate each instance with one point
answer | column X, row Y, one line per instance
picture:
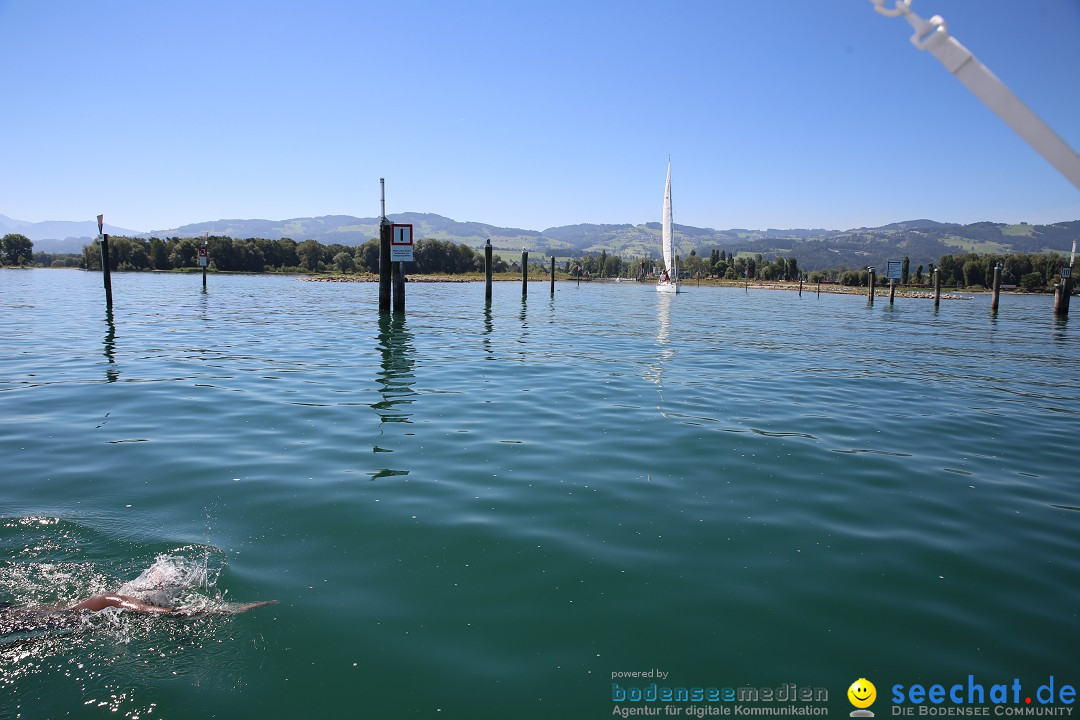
column 669, row 252
column 669, row 281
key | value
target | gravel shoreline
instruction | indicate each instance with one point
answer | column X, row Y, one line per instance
column 788, row 286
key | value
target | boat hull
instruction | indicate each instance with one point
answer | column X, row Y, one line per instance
column 667, row 287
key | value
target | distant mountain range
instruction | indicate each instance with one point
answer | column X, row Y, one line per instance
column 924, row 241
column 59, row 235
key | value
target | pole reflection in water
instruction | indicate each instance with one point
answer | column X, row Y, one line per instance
column 111, row 373
column 524, row 317
column 489, row 328
column 395, row 380
column 1061, row 325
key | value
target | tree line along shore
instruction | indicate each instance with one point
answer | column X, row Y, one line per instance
column 444, row 260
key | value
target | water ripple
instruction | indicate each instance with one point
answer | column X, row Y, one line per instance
column 511, row 501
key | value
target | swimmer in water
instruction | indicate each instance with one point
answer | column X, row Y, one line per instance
column 32, row 622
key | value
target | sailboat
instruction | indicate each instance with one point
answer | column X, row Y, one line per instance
column 669, row 278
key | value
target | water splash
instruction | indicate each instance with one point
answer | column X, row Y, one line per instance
column 106, row 659
column 185, row 579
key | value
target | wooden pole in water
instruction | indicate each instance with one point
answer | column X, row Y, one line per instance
column 937, row 287
column 870, row 285
column 487, row 270
column 892, row 290
column 399, row 287
column 106, row 276
column 524, row 272
column 552, row 276
column 997, row 288
column 385, row 236
column 204, row 258
column 800, row 287
column 1062, row 291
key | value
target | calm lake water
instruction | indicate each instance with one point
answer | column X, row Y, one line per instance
column 486, row 512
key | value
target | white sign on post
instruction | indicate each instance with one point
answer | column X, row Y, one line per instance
column 401, row 243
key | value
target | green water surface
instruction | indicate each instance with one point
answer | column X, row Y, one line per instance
column 486, row 511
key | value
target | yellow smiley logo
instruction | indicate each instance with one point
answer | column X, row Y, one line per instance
column 862, row 693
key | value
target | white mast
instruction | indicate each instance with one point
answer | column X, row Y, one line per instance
column 669, row 252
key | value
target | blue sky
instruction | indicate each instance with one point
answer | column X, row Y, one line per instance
column 776, row 113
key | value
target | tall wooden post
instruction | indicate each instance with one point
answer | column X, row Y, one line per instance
column 487, row 270
column 997, row 288
column 385, row 236
column 106, row 277
column 937, row 287
column 1062, row 292
column 204, row 258
column 800, row 287
column 870, row 284
column 552, row 276
column 524, row 272
column 399, row 287
column 892, row 290
column 106, row 273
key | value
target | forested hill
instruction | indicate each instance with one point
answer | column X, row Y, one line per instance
column 922, row 244
column 923, row 241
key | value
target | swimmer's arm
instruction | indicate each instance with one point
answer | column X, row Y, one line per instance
column 244, row 607
column 124, row 602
